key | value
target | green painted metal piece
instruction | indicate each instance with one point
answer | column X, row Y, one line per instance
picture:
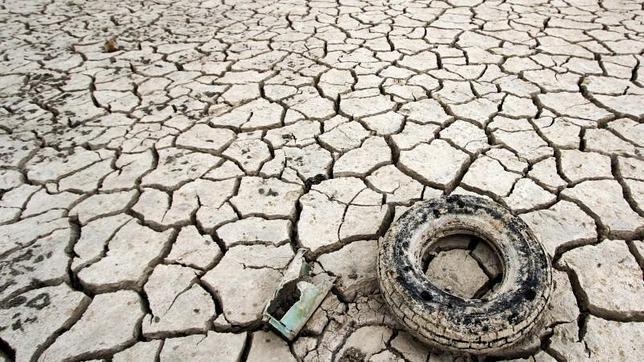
column 300, row 293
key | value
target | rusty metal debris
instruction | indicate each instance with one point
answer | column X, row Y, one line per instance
column 297, row 297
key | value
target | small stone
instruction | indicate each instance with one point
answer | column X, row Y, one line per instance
column 108, row 325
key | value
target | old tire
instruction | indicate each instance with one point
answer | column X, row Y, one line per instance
column 476, row 326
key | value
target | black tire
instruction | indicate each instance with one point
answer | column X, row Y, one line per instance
column 476, row 326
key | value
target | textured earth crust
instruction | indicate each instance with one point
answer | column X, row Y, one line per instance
column 161, row 161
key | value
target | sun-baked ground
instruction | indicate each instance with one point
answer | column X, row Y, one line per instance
column 161, row 161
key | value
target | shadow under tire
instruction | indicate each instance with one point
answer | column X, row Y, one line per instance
column 477, row 326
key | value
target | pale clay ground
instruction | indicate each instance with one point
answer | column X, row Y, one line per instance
column 154, row 187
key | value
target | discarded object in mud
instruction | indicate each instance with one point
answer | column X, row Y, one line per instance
column 297, row 297
column 110, row 45
column 487, row 325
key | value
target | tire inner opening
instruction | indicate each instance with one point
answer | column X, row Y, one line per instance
column 463, row 265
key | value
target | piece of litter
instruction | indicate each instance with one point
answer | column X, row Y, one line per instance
column 297, row 297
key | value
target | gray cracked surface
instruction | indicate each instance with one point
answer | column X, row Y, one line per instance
column 204, row 142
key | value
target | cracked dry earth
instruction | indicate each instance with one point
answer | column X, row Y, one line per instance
column 161, row 161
